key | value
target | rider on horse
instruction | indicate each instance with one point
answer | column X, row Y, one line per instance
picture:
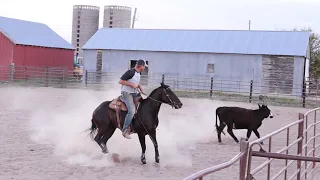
column 129, row 90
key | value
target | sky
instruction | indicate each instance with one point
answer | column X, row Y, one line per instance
column 178, row 14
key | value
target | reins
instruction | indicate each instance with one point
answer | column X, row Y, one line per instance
column 172, row 103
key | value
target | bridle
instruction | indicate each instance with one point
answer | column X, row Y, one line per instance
column 172, row 103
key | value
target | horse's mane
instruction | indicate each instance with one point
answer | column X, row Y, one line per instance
column 152, row 92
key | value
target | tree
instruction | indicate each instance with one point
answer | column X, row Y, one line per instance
column 314, row 67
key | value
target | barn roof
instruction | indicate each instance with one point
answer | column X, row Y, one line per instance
column 32, row 33
column 291, row 43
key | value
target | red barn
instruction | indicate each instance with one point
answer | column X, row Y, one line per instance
column 32, row 44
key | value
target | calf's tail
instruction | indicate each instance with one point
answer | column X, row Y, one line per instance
column 217, row 111
column 217, row 119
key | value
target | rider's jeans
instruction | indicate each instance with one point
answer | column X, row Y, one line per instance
column 128, row 100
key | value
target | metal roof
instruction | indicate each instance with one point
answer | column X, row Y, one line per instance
column 292, row 43
column 32, row 33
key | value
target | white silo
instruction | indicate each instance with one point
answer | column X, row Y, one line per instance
column 85, row 23
column 117, row 16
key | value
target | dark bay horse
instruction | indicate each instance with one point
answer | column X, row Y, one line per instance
column 145, row 121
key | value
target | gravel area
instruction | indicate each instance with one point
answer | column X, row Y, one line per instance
column 41, row 138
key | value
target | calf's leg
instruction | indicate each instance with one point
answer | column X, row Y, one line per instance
column 257, row 134
column 231, row 133
column 249, row 133
column 220, row 130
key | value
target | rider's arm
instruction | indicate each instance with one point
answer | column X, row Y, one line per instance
column 126, row 76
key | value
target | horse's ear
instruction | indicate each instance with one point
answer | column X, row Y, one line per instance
column 259, row 106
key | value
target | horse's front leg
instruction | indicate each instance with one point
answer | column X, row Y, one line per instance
column 142, row 140
column 155, row 143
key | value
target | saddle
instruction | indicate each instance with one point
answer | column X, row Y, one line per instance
column 118, row 105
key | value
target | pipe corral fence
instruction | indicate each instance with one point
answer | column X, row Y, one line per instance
column 301, row 149
column 295, row 95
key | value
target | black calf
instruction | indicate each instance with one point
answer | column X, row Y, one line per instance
column 241, row 118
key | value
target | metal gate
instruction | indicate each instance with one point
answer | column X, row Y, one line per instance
column 298, row 159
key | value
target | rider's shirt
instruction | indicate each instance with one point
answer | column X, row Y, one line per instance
column 131, row 76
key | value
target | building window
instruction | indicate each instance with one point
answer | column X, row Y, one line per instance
column 77, row 49
column 111, row 17
column 78, row 26
column 78, row 17
column 77, row 45
column 110, row 22
column 78, row 31
column 78, row 21
column 77, row 40
column 210, row 68
column 78, row 35
column 110, row 26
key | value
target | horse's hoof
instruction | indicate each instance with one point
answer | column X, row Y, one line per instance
column 157, row 161
column 105, row 151
column 143, row 161
column 261, row 143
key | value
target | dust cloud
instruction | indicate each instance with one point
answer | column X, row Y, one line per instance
column 59, row 117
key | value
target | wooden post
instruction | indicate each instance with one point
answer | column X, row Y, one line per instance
column 86, row 78
column 244, row 145
column 211, row 87
column 251, row 89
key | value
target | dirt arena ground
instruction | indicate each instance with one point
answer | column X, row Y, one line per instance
column 41, row 138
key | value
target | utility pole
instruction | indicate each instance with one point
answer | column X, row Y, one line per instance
column 134, row 17
column 249, row 24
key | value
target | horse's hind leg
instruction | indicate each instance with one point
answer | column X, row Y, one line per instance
column 108, row 133
column 98, row 137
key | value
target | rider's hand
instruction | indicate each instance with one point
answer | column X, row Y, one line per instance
column 140, row 87
column 135, row 86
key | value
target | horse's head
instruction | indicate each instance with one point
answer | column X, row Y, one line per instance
column 265, row 111
column 169, row 97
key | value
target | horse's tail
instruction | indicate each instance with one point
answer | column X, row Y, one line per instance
column 92, row 129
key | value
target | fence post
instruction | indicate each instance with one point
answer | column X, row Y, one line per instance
column 163, row 78
column 244, row 145
column 299, row 149
column 86, row 78
column 64, row 83
column 211, row 87
column 304, row 94
column 11, row 75
column 25, row 73
column 250, row 94
column 47, row 76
